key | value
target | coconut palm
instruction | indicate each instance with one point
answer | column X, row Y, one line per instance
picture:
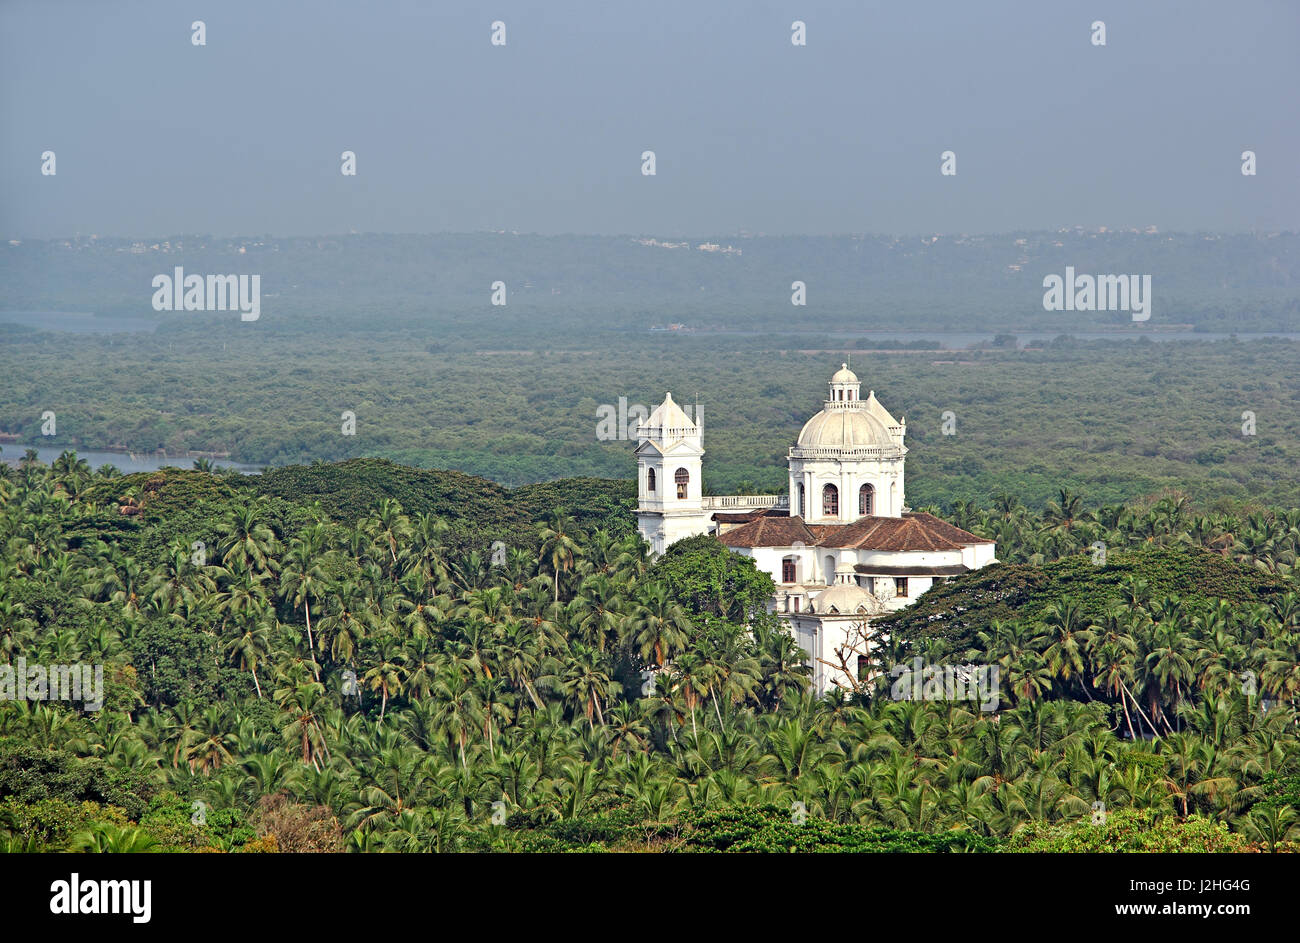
column 302, row 579
column 659, row 627
column 560, row 547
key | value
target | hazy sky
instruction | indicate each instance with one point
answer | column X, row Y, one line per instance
column 154, row 135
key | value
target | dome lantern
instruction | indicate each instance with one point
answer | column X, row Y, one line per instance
column 845, row 387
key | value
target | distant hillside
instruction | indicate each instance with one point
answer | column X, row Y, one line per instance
column 560, row 285
column 957, row 610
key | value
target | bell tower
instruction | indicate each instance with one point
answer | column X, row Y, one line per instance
column 669, row 479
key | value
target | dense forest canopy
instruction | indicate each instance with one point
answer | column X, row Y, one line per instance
column 1117, row 421
column 335, row 671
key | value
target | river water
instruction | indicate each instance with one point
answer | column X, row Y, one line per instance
column 127, row 463
column 78, row 322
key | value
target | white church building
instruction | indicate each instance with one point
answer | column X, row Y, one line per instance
column 841, row 545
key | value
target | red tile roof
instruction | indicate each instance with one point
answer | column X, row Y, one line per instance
column 771, row 532
column 743, row 517
column 911, row 532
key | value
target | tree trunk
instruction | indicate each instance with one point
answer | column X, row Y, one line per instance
column 311, row 642
column 529, row 688
column 1127, row 719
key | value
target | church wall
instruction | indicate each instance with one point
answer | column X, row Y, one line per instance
column 662, row 530
column 886, row 593
column 979, row 555
column 885, row 477
column 910, row 558
column 819, row 637
column 769, row 559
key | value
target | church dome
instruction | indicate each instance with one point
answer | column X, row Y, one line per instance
column 846, row 599
column 844, row 428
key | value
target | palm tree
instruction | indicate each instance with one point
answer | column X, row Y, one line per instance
column 459, row 711
column 585, row 683
column 389, row 528
column 1272, row 825
column 177, row 583
column 302, row 579
column 388, row 675
column 107, row 838
column 596, row 612
column 783, row 668
column 627, row 728
column 245, row 539
column 250, row 648
column 242, row 592
column 494, row 702
column 520, row 661
column 660, row 626
column 1168, row 663
column 1068, row 639
column 1065, row 512
column 301, row 705
column 211, row 746
column 345, row 624
column 559, row 544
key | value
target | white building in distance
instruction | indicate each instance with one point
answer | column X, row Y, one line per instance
column 842, row 546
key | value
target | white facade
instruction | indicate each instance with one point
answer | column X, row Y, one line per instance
column 669, row 456
column 843, row 550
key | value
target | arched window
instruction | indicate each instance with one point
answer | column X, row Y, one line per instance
column 800, row 495
column 866, row 500
column 683, row 478
column 650, row 481
column 831, row 501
